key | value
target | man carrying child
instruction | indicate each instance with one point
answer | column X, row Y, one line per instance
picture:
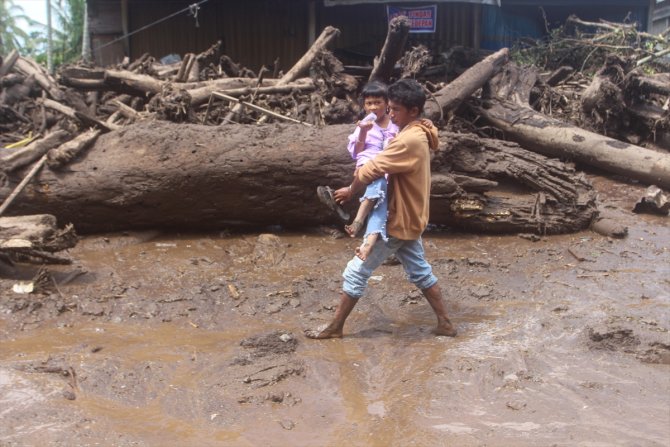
column 406, row 161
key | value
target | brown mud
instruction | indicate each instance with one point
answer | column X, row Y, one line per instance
column 197, row 340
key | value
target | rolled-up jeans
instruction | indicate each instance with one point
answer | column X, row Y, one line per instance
column 409, row 253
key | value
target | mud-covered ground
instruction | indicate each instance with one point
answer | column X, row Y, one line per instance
column 162, row 339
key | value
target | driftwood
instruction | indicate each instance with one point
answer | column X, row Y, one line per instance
column 457, row 91
column 29, row 176
column 246, row 86
column 29, row 67
column 202, row 177
column 506, row 107
column 82, row 118
column 382, row 67
column 658, row 83
column 33, row 151
column 8, row 63
column 301, row 67
column 34, row 239
column 68, row 151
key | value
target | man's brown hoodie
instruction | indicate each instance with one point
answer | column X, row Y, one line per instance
column 407, row 161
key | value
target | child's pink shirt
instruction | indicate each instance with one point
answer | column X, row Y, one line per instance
column 375, row 140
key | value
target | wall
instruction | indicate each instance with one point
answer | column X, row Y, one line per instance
column 257, row 32
column 364, row 27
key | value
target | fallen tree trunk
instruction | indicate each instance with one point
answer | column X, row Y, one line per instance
column 457, row 91
column 507, row 109
column 191, row 177
column 383, row 65
column 301, row 67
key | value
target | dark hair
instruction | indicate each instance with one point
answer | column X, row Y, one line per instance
column 375, row 89
column 408, row 93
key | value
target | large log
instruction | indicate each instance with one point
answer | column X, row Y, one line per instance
column 191, row 177
column 506, row 108
column 471, row 80
column 394, row 45
column 328, row 35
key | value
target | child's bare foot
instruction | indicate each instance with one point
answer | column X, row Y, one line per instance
column 364, row 250
column 355, row 228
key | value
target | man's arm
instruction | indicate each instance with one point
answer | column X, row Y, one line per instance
column 345, row 194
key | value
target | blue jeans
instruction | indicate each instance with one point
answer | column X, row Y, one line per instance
column 410, row 254
column 379, row 214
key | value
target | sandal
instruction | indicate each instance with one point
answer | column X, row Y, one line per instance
column 354, row 228
column 325, row 194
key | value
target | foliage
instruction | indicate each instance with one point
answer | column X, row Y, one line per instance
column 12, row 33
column 584, row 46
column 67, row 31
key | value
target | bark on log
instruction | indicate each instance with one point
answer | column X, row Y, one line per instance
column 457, row 91
column 382, row 67
column 190, row 177
column 301, row 67
column 508, row 110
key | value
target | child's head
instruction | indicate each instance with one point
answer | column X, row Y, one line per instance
column 406, row 99
column 375, row 98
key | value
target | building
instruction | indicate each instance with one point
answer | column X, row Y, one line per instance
column 275, row 33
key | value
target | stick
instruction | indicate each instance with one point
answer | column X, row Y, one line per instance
column 661, row 53
column 78, row 116
column 257, row 108
column 36, row 167
column 8, row 63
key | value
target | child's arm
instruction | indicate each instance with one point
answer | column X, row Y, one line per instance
column 426, row 123
column 359, row 144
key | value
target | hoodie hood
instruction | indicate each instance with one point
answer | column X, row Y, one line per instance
column 431, row 134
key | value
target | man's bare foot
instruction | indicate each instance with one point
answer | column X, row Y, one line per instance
column 446, row 329
column 323, row 333
column 355, row 228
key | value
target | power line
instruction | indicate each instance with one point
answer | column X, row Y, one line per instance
column 193, row 9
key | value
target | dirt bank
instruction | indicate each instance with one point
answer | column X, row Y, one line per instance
column 196, row 340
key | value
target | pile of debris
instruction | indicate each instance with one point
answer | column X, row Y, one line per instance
column 606, row 77
column 566, row 108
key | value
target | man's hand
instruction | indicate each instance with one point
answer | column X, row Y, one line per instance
column 343, row 195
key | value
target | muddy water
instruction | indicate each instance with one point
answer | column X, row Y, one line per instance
column 158, row 343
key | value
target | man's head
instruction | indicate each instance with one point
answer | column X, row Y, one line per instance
column 406, row 101
column 375, row 98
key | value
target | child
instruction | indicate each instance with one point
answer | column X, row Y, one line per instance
column 370, row 137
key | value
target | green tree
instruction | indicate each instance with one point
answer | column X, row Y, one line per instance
column 12, row 33
column 68, row 30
